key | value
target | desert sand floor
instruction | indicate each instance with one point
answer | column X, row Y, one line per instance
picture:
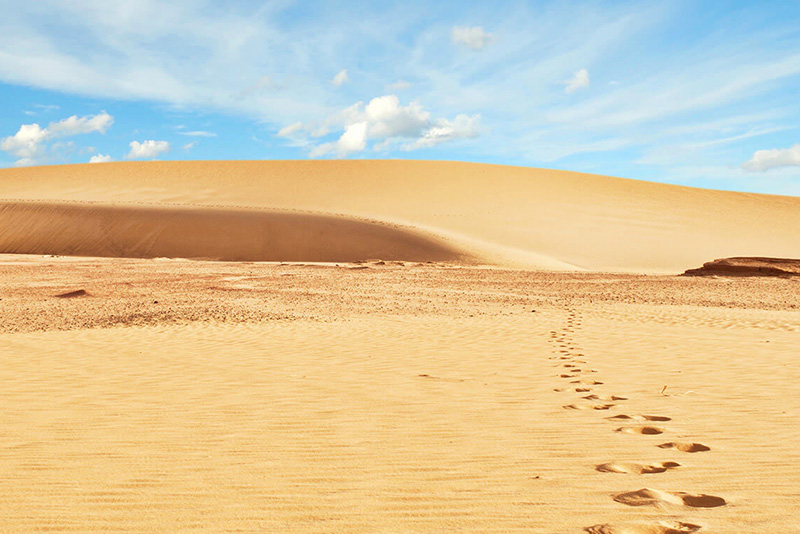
column 180, row 396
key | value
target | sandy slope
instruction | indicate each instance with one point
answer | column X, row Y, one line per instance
column 494, row 214
column 214, row 233
column 394, row 398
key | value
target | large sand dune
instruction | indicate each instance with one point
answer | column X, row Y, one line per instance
column 346, row 210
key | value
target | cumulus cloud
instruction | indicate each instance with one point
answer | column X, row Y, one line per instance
column 474, row 38
column 385, row 122
column 387, row 118
column 147, row 149
column 579, row 80
column 28, row 144
column 341, row 78
column 763, row 160
column 25, row 144
column 354, row 139
column 100, row 158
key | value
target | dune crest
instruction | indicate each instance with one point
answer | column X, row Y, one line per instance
column 500, row 215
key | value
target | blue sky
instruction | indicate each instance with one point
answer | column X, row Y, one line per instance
column 686, row 92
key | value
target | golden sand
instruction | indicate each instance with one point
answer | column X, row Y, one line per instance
column 383, row 378
column 341, row 210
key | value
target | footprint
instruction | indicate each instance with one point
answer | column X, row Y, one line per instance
column 623, row 417
column 586, row 381
column 588, row 406
column 647, row 496
column 636, row 469
column 648, row 430
column 605, row 397
column 662, row 527
column 656, row 418
column 685, row 446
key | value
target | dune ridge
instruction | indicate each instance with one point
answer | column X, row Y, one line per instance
column 500, row 215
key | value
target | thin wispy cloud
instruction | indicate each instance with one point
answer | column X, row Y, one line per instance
column 580, row 80
column 198, row 133
column 471, row 37
column 400, row 85
column 341, row 78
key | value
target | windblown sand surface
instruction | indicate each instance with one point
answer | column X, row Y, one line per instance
column 403, row 386
column 393, row 397
column 405, row 210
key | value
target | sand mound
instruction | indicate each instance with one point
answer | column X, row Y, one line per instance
column 781, row 267
column 83, row 229
column 512, row 216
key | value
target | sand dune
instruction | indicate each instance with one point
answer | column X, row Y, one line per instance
column 214, row 233
column 493, row 214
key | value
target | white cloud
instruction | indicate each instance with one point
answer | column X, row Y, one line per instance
column 341, row 78
column 444, row 130
column 387, row 123
column 763, row 160
column 400, row 85
column 81, row 125
column 28, row 143
column 578, row 81
column 286, row 131
column 188, row 146
column 354, row 139
column 473, row 37
column 387, row 118
column 25, row 144
column 198, row 133
column 100, row 158
column 147, row 149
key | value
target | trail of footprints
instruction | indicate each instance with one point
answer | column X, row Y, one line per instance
column 572, row 367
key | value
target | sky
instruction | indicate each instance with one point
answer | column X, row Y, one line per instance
column 705, row 94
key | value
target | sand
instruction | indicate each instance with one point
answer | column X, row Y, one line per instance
column 491, row 214
column 188, row 396
column 400, row 365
